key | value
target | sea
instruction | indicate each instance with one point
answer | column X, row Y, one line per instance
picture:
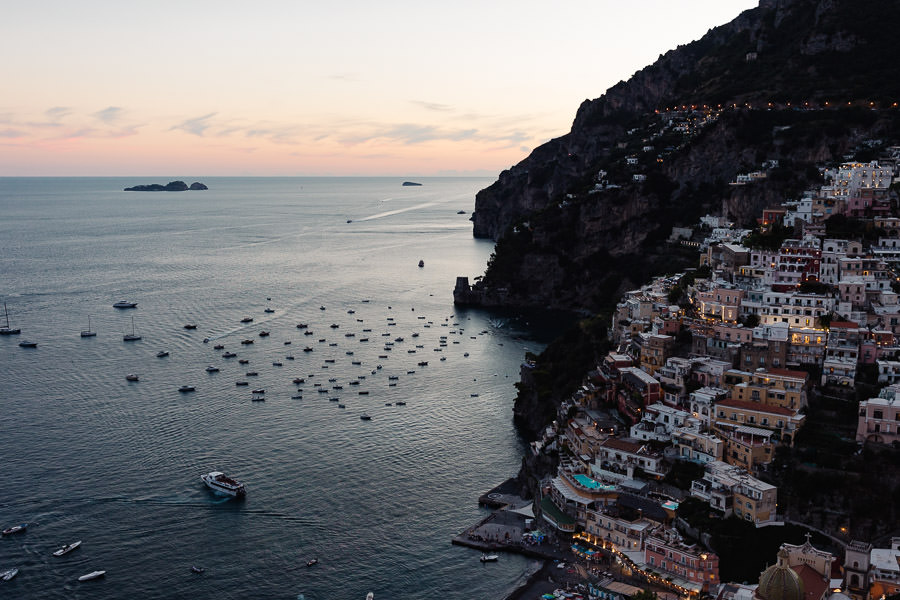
column 88, row 455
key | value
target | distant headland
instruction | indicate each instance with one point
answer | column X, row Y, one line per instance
column 411, row 183
column 172, row 186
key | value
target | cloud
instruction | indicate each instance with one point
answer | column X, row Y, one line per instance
column 10, row 133
column 109, row 114
column 196, row 126
column 432, row 106
column 57, row 112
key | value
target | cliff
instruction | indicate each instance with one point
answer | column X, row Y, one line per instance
column 774, row 84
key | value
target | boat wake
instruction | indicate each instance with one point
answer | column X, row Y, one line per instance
column 398, row 211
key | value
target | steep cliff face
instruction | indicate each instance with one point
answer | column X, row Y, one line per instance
column 802, row 52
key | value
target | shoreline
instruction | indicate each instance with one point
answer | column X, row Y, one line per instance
column 535, row 584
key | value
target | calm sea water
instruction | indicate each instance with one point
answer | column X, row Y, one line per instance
column 89, row 456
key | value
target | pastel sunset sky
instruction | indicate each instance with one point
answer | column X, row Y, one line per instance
column 303, row 87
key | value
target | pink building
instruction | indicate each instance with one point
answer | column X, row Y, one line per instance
column 689, row 562
column 879, row 418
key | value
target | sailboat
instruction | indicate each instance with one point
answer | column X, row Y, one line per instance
column 88, row 333
column 6, row 330
column 131, row 337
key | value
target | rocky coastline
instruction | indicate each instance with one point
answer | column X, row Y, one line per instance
column 172, row 186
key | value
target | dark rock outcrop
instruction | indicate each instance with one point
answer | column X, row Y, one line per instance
column 565, row 244
column 172, row 186
column 410, row 183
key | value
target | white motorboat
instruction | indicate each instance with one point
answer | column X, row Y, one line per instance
column 92, row 575
column 222, row 484
column 15, row 529
column 489, row 558
column 67, row 548
column 162, row 354
column 28, row 344
column 125, row 304
column 8, row 574
column 186, row 388
column 212, row 369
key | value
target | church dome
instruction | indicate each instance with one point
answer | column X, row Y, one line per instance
column 780, row 582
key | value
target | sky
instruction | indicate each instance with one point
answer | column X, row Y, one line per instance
column 339, row 88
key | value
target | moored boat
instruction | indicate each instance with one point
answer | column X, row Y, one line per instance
column 132, row 377
column 67, row 548
column 222, row 484
column 162, row 354
column 28, row 344
column 89, row 332
column 186, row 388
column 8, row 574
column 15, row 529
column 489, row 558
column 92, row 575
column 125, row 304
column 365, row 417
column 312, row 561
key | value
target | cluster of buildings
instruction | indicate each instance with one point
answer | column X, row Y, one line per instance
column 718, row 371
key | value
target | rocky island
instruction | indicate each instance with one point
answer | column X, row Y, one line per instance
column 410, row 183
column 172, row 186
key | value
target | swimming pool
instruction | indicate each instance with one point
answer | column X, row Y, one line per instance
column 592, row 484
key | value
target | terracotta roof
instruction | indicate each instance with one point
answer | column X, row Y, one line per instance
column 789, row 373
column 757, row 406
column 617, row 444
column 814, row 585
column 844, row 325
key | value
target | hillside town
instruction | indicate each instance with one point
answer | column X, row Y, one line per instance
column 717, row 369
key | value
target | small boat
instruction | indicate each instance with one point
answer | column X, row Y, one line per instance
column 342, row 406
column 269, row 310
column 212, row 369
column 196, row 569
column 132, row 377
column 241, row 383
column 299, row 380
column 302, row 325
column 87, row 333
column 400, row 403
column 7, row 331
column 219, row 347
column 15, row 529
column 8, row 574
column 131, row 337
column 423, row 363
column 251, row 374
column 277, row 364
column 307, row 349
column 473, row 395
column 125, row 304
column 263, row 334
column 321, row 308
column 363, row 392
column 92, row 575
column 289, row 357
column 334, row 325
column 186, row 388
column 190, row 326
column 222, row 484
column 421, row 263
column 365, row 417
column 465, row 354
column 229, row 355
column 460, row 212
column 259, row 391
column 243, row 361
column 247, row 320
column 162, row 354
column 370, row 596
column 67, row 548
column 489, row 558
column 312, row 561
column 246, row 342
column 29, row 344
column 351, row 312
column 297, row 397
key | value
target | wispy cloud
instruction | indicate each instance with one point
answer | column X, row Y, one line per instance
column 432, row 106
column 109, row 115
column 57, row 112
column 10, row 133
column 196, row 126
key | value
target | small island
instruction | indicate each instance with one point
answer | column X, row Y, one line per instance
column 172, row 186
column 407, row 183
